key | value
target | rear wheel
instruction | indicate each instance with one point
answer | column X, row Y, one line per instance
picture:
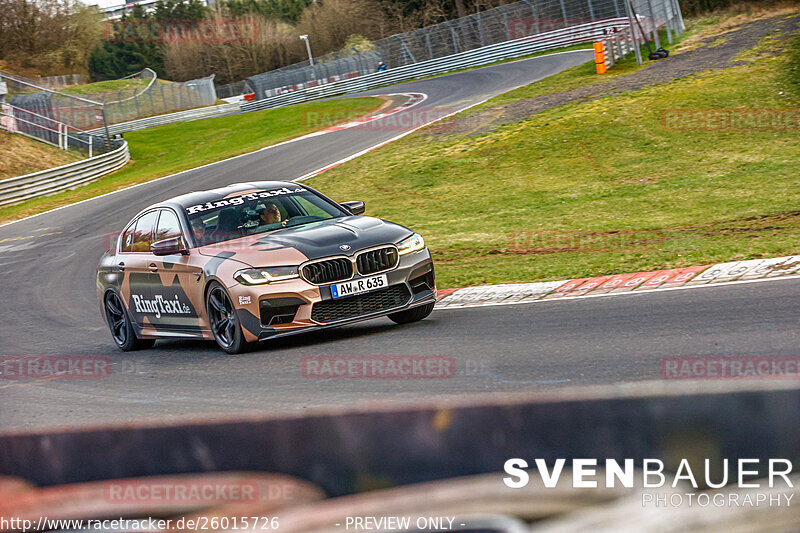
column 415, row 314
column 223, row 320
column 120, row 325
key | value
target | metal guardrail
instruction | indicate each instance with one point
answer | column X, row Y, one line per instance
column 50, row 131
column 480, row 56
column 180, row 116
column 46, row 182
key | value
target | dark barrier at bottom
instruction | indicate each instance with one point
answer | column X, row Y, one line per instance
column 357, row 450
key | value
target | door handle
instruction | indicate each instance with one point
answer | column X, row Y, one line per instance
column 153, row 267
column 121, row 266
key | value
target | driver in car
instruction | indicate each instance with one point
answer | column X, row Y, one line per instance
column 200, row 234
column 270, row 214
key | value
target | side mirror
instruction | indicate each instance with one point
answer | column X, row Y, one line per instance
column 357, row 208
column 171, row 246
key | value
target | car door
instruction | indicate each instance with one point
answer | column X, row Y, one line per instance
column 132, row 259
column 176, row 286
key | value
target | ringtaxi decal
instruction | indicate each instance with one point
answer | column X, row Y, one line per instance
column 239, row 200
column 159, row 305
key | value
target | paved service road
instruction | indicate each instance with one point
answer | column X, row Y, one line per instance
column 47, row 267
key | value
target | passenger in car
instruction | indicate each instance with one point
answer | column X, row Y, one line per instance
column 270, row 214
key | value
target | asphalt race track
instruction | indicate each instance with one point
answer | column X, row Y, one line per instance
column 47, row 278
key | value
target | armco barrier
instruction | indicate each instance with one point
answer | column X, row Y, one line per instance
column 170, row 118
column 46, row 182
column 584, row 33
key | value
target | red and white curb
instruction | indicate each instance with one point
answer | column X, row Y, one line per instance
column 695, row 276
column 413, row 99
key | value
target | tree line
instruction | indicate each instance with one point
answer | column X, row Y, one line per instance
column 49, row 37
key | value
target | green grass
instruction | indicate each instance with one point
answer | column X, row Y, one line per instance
column 164, row 150
column 107, row 86
column 793, row 67
column 589, row 171
column 578, row 76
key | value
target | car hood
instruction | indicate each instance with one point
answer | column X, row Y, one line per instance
column 292, row 246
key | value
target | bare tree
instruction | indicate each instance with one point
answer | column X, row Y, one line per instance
column 48, row 36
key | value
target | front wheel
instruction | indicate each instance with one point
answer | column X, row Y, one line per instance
column 415, row 314
column 223, row 320
column 120, row 325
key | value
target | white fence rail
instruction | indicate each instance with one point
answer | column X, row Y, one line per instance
column 54, row 180
column 48, row 130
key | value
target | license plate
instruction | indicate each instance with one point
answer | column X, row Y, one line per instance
column 357, row 286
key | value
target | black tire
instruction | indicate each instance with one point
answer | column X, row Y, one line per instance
column 120, row 325
column 223, row 320
column 415, row 314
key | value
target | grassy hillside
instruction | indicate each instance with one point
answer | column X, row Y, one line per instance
column 22, row 155
column 603, row 186
column 164, row 150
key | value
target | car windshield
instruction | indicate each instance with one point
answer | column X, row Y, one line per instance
column 257, row 211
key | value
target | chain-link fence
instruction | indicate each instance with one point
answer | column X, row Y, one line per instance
column 46, row 129
column 156, row 98
column 51, row 116
column 519, row 20
column 234, row 89
column 59, row 82
column 65, row 119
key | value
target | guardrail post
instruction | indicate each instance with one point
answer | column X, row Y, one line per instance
column 535, row 15
column 428, row 42
column 654, row 23
column 635, row 41
column 667, row 19
column 564, row 13
column 591, row 10
column 91, row 145
column 455, row 39
column 681, row 25
column 105, row 126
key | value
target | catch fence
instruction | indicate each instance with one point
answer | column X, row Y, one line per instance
column 485, row 30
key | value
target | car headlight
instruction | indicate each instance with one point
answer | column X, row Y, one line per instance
column 415, row 243
column 259, row 276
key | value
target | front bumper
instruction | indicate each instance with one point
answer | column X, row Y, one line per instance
column 296, row 306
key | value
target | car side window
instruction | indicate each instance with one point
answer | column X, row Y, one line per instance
column 127, row 238
column 168, row 226
column 143, row 235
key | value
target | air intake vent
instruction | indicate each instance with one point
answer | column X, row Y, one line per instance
column 362, row 304
column 328, row 271
column 378, row 260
